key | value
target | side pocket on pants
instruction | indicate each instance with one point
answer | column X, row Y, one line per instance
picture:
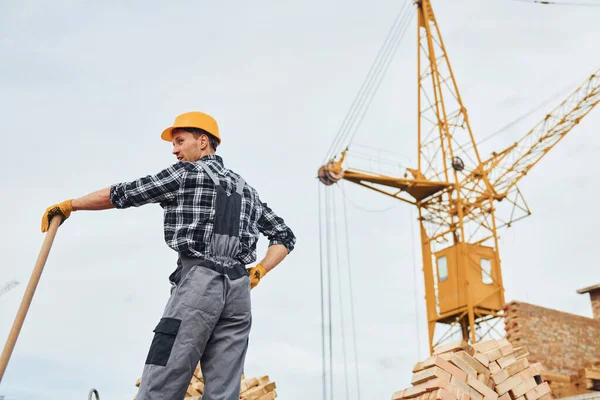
column 162, row 343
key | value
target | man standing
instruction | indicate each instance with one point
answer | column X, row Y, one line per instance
column 212, row 219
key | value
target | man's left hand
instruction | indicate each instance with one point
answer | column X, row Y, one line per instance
column 256, row 274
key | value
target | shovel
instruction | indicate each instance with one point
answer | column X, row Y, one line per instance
column 28, row 295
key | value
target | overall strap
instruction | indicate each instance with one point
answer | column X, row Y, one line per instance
column 240, row 186
column 210, row 173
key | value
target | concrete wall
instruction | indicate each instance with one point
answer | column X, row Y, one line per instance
column 562, row 342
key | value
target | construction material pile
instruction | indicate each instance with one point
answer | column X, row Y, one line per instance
column 260, row 388
column 587, row 380
column 489, row 370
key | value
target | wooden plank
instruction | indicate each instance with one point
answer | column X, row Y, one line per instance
column 521, row 352
column 198, row 385
column 446, row 366
column 538, row 391
column 248, row 383
column 523, row 388
column 473, row 363
column 592, row 364
column 269, row 396
column 555, row 377
column 460, row 384
column 486, row 345
column 192, row 392
column 457, row 345
column 486, row 380
column 430, row 373
column 480, row 387
column 198, row 371
column 589, row 373
column 506, row 360
column 426, row 386
column 483, row 359
column 500, row 376
column 463, row 365
column 443, row 394
column 494, row 355
column 506, row 350
column 517, row 366
column 508, row 384
column 494, row 367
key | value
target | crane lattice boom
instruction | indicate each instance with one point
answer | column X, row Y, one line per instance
column 506, row 168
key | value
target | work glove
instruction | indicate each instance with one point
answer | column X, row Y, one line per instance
column 63, row 209
column 256, row 273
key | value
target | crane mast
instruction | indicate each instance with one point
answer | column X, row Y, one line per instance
column 449, row 232
column 456, row 192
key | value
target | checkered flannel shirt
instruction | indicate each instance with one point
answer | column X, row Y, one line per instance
column 187, row 195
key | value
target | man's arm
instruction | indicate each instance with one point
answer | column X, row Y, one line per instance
column 281, row 243
column 281, row 238
column 98, row 200
column 275, row 254
column 149, row 189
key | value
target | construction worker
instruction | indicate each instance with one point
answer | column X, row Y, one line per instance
column 212, row 219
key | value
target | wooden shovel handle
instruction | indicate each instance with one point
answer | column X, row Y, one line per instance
column 28, row 295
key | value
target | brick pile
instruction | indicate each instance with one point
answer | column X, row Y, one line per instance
column 488, row 370
column 560, row 384
column 259, row 388
column 587, row 378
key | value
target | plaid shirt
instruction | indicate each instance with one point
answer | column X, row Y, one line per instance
column 187, row 195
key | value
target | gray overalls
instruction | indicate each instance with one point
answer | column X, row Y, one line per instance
column 208, row 316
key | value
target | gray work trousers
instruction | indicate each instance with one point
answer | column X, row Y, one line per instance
column 207, row 319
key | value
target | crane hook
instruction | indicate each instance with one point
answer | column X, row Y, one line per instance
column 95, row 393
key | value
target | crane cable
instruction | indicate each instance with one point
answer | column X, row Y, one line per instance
column 324, row 377
column 372, row 81
column 341, row 300
column 329, row 203
column 352, row 304
column 331, row 240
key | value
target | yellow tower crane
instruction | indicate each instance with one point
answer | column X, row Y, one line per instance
column 457, row 192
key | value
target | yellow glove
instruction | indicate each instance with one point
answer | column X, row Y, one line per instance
column 256, row 273
column 63, row 209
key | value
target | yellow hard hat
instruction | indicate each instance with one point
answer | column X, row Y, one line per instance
column 193, row 119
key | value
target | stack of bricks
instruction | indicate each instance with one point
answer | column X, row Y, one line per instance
column 560, row 384
column 587, row 378
column 260, row 388
column 489, row 370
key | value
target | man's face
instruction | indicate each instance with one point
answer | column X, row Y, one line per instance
column 186, row 147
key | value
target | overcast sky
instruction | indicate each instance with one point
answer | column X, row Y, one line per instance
column 86, row 90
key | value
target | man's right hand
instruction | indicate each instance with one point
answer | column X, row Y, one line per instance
column 63, row 209
column 256, row 274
